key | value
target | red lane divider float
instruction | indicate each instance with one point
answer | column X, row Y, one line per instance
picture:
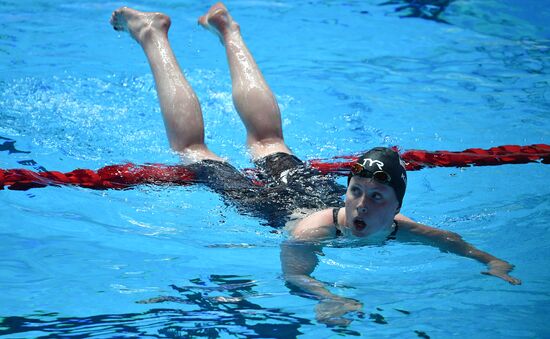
column 109, row 177
column 127, row 175
column 418, row 159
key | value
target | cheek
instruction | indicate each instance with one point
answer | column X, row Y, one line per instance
column 350, row 200
column 348, row 206
column 386, row 213
column 349, row 210
column 390, row 212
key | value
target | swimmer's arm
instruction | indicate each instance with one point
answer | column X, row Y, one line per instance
column 452, row 242
column 299, row 253
column 298, row 261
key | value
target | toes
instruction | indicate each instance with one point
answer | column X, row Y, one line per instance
column 118, row 20
column 202, row 20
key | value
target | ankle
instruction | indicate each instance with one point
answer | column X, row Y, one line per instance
column 233, row 29
column 152, row 34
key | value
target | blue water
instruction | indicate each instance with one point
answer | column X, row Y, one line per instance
column 348, row 76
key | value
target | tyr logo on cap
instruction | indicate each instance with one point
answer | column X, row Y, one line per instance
column 371, row 162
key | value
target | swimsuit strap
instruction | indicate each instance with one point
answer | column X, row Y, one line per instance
column 335, row 215
column 335, row 220
column 393, row 234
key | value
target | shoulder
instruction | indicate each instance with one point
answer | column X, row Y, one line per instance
column 316, row 226
column 412, row 230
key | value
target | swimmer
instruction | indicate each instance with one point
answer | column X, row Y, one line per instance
column 376, row 187
column 376, row 184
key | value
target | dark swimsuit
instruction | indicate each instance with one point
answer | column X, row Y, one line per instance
column 392, row 236
column 288, row 184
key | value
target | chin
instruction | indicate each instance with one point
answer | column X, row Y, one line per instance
column 367, row 233
column 360, row 233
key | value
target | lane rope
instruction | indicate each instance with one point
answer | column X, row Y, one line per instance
column 125, row 176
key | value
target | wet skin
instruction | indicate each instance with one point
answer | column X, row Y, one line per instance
column 370, row 208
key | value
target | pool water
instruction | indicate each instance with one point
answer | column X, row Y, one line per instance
column 178, row 262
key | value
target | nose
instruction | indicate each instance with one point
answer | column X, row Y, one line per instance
column 362, row 207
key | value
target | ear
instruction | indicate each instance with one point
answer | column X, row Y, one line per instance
column 398, row 210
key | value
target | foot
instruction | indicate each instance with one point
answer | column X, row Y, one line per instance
column 140, row 25
column 218, row 21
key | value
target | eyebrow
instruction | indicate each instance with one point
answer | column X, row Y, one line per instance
column 378, row 186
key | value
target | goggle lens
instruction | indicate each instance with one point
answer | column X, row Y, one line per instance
column 380, row 176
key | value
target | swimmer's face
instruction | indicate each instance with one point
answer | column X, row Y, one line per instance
column 370, row 207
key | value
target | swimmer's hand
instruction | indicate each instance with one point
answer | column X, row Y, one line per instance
column 330, row 311
column 500, row 269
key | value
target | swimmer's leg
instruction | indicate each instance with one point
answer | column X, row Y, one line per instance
column 179, row 105
column 252, row 96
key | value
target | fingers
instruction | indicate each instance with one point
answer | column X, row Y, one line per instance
column 513, row 281
column 504, row 276
column 334, row 321
column 331, row 312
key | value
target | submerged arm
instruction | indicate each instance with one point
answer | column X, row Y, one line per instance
column 451, row 242
column 298, row 261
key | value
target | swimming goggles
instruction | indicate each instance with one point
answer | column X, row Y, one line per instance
column 380, row 176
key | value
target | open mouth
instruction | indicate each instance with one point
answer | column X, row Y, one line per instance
column 359, row 224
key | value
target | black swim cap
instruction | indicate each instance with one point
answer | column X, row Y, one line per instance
column 383, row 159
